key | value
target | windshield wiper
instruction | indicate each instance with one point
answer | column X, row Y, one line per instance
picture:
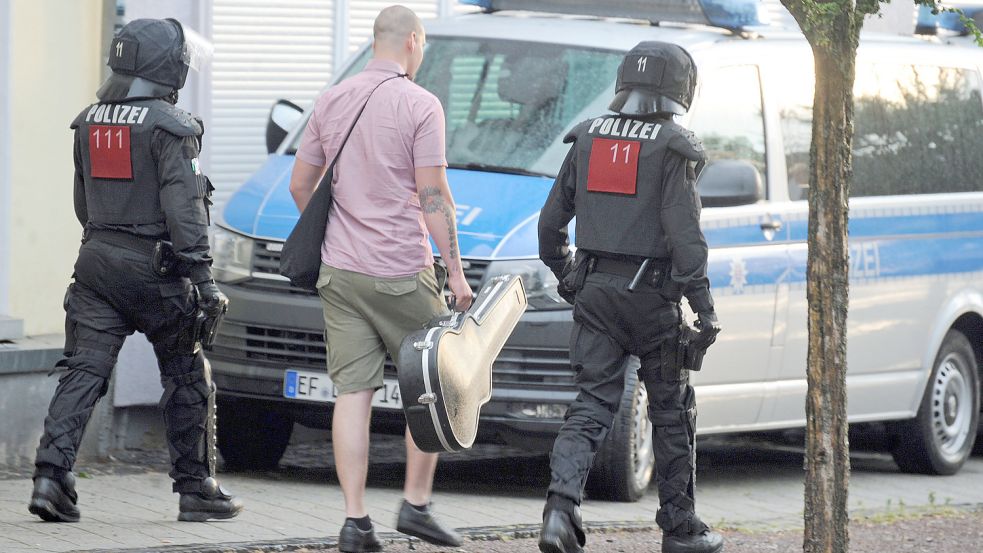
column 499, row 169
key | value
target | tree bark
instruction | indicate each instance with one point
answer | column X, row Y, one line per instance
column 834, row 37
column 827, row 461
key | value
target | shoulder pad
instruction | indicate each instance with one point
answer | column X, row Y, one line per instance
column 685, row 143
column 176, row 121
column 575, row 132
column 77, row 122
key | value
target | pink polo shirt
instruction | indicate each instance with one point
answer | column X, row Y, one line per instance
column 375, row 226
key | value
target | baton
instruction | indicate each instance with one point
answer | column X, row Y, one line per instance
column 638, row 276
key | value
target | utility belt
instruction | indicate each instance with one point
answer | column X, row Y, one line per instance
column 161, row 252
column 652, row 271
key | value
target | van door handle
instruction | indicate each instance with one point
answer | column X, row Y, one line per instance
column 773, row 225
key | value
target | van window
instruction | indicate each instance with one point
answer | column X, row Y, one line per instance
column 727, row 116
column 918, row 130
column 509, row 103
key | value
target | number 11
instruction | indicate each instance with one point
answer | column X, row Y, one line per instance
column 614, row 153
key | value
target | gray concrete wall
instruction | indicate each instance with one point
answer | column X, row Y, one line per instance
column 25, row 392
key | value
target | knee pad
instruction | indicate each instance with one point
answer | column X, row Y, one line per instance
column 92, row 354
column 187, row 382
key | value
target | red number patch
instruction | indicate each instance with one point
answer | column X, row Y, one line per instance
column 613, row 166
column 109, row 152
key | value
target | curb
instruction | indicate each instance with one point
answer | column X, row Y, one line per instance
column 481, row 533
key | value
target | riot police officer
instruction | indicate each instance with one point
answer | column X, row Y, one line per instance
column 143, row 266
column 630, row 178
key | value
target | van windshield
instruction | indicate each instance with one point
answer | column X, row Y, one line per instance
column 509, row 103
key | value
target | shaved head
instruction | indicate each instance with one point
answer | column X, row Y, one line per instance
column 394, row 25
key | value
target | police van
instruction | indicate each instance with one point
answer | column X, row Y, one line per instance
column 513, row 81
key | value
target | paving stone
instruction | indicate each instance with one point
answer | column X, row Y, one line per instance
column 135, row 509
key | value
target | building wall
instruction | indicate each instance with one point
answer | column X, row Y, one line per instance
column 5, row 185
column 55, row 68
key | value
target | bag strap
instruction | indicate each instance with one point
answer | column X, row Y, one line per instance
column 352, row 127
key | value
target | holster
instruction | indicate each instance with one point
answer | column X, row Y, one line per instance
column 206, row 325
column 162, row 260
column 583, row 264
column 685, row 353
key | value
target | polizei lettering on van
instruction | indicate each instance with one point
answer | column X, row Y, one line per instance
column 117, row 114
column 624, row 128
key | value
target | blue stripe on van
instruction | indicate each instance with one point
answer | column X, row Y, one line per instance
column 871, row 226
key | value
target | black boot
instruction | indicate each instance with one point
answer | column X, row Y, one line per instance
column 211, row 501
column 694, row 537
column 562, row 530
column 421, row 524
column 54, row 499
column 355, row 540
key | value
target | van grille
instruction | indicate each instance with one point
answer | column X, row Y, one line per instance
column 287, row 348
column 527, row 368
column 534, row 368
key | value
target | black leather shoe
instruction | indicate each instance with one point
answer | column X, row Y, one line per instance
column 424, row 526
column 353, row 540
column 706, row 541
column 560, row 533
column 54, row 500
column 211, row 502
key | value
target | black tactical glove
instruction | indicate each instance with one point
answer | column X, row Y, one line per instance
column 568, row 295
column 709, row 327
column 211, row 300
column 563, row 288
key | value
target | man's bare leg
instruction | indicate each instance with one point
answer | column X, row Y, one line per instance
column 420, row 467
column 350, row 440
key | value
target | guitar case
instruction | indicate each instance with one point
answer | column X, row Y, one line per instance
column 445, row 370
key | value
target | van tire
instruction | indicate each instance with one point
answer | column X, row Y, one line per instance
column 940, row 438
column 620, row 472
column 251, row 437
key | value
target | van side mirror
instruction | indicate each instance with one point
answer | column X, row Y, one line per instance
column 283, row 116
column 730, row 182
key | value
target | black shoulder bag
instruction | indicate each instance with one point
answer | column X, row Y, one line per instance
column 300, row 260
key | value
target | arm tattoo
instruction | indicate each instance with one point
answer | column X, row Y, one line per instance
column 451, row 236
column 432, row 201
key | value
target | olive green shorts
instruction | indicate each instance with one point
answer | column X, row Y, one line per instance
column 365, row 316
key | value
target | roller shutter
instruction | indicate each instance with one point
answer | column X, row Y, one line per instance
column 263, row 51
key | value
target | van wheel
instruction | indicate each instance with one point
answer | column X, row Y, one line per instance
column 251, row 437
column 940, row 438
column 624, row 464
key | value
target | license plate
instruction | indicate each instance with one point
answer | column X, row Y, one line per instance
column 312, row 386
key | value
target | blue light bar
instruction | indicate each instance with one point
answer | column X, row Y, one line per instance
column 728, row 14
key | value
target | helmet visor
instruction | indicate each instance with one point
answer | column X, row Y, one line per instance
column 198, row 50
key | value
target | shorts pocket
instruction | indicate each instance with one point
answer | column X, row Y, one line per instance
column 396, row 287
column 323, row 279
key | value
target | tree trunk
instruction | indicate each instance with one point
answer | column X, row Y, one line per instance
column 834, row 38
column 827, row 461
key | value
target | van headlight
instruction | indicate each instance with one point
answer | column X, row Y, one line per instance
column 538, row 280
column 232, row 255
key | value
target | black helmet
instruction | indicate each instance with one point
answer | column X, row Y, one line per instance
column 150, row 58
column 655, row 77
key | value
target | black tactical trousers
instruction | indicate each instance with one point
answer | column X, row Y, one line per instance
column 611, row 323
column 115, row 293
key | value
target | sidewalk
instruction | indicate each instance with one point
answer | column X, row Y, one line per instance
column 743, row 486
